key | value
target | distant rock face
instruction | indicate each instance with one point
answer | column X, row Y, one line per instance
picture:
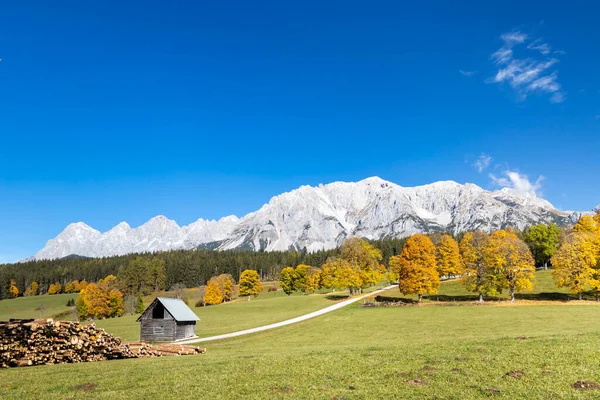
column 159, row 233
column 321, row 218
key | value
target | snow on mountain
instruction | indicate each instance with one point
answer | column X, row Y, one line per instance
column 159, row 233
column 322, row 217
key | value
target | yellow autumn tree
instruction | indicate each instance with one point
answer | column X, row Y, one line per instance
column 576, row 263
column 115, row 301
column 477, row 277
column 32, row 289
column 287, row 280
column 54, row 288
column 339, row 273
column 588, row 224
column 250, row 284
column 226, row 285
column 213, row 294
column 449, row 262
column 364, row 258
column 416, row 267
column 101, row 300
column 13, row 290
column 96, row 301
column 313, row 280
column 510, row 261
column 72, row 287
column 357, row 267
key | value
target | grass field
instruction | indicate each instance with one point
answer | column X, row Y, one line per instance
column 456, row 351
column 29, row 307
column 412, row 352
column 231, row 317
column 214, row 320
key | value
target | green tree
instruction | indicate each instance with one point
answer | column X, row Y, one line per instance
column 543, row 240
column 157, row 275
column 250, row 284
column 135, row 276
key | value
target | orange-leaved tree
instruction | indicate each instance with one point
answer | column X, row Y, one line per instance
column 213, row 294
column 415, row 267
column 250, row 284
column 100, row 300
column 449, row 262
column 55, row 288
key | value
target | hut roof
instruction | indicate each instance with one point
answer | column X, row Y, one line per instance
column 177, row 308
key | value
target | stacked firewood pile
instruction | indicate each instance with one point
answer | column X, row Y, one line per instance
column 45, row 341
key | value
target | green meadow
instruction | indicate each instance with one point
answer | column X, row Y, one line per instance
column 412, row 352
column 437, row 350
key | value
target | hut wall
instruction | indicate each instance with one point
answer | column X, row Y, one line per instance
column 186, row 329
column 158, row 330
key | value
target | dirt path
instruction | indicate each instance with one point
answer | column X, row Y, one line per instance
column 301, row 318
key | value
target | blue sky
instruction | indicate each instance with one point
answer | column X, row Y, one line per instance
column 112, row 112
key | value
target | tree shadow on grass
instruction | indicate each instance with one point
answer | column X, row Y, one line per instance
column 544, row 296
column 386, row 299
column 337, row 297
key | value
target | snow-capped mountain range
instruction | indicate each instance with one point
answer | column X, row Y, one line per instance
column 322, row 217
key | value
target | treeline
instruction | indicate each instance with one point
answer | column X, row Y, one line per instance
column 183, row 268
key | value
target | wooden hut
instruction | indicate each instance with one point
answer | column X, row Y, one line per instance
column 167, row 320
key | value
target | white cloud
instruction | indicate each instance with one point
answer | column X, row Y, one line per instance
column 527, row 75
column 467, row 73
column 512, row 38
column 519, row 183
column 483, row 162
column 538, row 45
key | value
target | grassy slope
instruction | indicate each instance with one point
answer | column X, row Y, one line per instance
column 237, row 315
column 28, row 307
column 231, row 317
column 358, row 353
